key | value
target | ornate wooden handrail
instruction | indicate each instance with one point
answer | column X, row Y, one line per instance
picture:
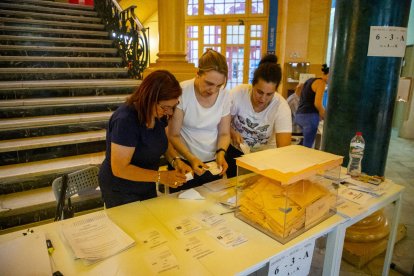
column 130, row 36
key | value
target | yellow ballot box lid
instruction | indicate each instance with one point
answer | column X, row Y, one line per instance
column 289, row 164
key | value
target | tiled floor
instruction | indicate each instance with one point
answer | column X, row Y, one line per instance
column 400, row 169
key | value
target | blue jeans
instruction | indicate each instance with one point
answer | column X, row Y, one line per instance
column 309, row 123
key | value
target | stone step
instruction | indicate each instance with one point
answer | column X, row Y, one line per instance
column 62, row 84
column 59, row 24
column 46, row 9
column 61, row 101
column 28, row 48
column 70, row 41
column 17, row 173
column 37, row 205
column 53, row 31
column 51, row 141
column 23, row 73
column 25, row 108
column 61, row 74
column 57, row 17
column 52, row 4
column 60, row 59
column 81, row 70
column 49, row 121
column 68, row 146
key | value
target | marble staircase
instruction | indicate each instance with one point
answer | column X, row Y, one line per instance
column 60, row 80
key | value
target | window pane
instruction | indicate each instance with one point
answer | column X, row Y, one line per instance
column 192, row 7
column 234, row 56
column 257, row 6
column 235, row 34
column 212, row 35
column 224, row 7
column 192, row 44
column 192, row 32
column 254, row 57
column 256, row 31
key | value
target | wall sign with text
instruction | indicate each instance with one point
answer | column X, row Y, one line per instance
column 387, row 41
column 295, row 261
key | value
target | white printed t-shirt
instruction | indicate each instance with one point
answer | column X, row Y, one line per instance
column 258, row 128
column 199, row 129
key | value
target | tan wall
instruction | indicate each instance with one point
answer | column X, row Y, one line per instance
column 302, row 34
column 297, row 32
column 318, row 31
column 152, row 23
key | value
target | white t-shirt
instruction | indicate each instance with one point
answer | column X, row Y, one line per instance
column 258, row 128
column 199, row 129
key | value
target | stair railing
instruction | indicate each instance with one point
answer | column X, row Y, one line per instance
column 128, row 33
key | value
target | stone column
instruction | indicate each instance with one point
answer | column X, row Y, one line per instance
column 171, row 29
column 362, row 89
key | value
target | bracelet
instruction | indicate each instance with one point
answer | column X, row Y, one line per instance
column 221, row 149
column 173, row 160
column 158, row 177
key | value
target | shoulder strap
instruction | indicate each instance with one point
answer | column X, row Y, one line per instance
column 61, row 201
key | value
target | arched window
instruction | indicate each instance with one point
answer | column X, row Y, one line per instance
column 236, row 28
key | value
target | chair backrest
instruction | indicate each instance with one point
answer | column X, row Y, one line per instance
column 79, row 182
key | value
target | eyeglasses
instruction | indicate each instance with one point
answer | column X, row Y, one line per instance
column 168, row 108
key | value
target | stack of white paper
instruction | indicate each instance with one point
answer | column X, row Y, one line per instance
column 25, row 255
column 95, row 237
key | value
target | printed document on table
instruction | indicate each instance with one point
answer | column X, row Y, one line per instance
column 94, row 237
column 162, row 259
column 208, row 218
column 227, row 236
column 151, row 238
column 25, row 255
column 196, row 247
column 184, row 226
column 353, row 195
column 350, row 209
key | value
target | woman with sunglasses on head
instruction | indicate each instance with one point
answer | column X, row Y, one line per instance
column 136, row 139
column 260, row 117
column 200, row 128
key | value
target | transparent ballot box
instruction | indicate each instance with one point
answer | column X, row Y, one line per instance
column 286, row 191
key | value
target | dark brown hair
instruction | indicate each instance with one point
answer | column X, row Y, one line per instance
column 268, row 70
column 325, row 69
column 160, row 85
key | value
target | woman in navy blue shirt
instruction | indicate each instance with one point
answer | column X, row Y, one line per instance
column 135, row 140
column 311, row 109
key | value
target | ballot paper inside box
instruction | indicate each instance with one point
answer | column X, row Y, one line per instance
column 284, row 192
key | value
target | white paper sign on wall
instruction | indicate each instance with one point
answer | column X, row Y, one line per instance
column 294, row 262
column 387, row 41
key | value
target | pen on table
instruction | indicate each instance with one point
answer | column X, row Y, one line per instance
column 50, row 247
column 226, row 213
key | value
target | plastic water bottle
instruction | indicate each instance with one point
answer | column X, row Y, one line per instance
column 356, row 153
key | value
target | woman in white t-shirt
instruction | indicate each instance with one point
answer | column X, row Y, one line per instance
column 200, row 127
column 260, row 117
